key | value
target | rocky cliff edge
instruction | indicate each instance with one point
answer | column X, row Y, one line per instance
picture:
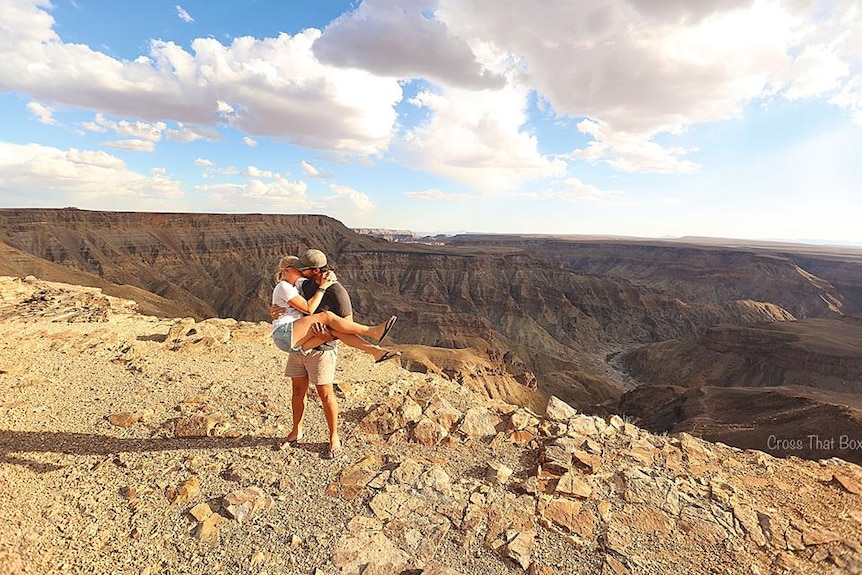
column 133, row 444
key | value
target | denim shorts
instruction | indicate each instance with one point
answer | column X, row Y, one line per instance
column 282, row 336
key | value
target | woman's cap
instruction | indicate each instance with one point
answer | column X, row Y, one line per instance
column 312, row 259
column 289, row 262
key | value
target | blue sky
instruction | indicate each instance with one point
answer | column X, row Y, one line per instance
column 722, row 118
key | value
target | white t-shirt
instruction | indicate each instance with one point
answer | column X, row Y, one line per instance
column 281, row 296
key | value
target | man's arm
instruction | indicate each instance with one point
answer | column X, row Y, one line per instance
column 335, row 299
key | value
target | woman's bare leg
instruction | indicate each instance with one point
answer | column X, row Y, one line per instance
column 297, row 404
column 355, row 341
column 302, row 326
column 350, row 339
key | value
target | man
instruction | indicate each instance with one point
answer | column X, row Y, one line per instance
column 317, row 367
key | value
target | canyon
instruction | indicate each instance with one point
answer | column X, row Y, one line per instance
column 609, row 325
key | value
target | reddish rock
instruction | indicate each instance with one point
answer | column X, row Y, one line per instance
column 354, row 478
column 429, row 433
column 441, row 412
column 197, row 425
column 364, row 546
column 614, row 566
column 201, row 511
column 208, row 529
column 394, row 414
column 574, row 486
column 570, row 515
column 522, row 436
column 520, row 548
column 242, row 503
column 123, row 419
column 479, row 422
column 185, row 492
column 849, row 483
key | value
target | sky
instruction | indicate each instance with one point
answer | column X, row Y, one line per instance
column 639, row 118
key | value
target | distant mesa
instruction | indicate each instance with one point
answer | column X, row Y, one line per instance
column 402, row 236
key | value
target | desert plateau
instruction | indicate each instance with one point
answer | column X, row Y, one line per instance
column 562, row 404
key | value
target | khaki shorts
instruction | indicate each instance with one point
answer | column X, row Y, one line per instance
column 318, row 366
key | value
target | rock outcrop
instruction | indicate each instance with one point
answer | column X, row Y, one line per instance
column 97, row 476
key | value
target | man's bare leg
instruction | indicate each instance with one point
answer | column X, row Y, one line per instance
column 330, row 412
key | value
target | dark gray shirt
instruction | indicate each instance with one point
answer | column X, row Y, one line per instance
column 335, row 300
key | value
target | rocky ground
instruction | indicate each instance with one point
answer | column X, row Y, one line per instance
column 136, row 445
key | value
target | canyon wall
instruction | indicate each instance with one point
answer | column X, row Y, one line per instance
column 545, row 311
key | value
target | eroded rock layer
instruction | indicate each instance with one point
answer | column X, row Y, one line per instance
column 543, row 311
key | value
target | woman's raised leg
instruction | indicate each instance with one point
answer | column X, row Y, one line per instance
column 302, row 326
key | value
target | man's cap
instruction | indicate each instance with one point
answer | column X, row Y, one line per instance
column 312, row 259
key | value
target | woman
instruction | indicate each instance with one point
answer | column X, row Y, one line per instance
column 292, row 331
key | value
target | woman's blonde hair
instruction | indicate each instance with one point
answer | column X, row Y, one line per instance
column 283, row 264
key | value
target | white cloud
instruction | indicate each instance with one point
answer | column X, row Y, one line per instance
column 224, row 109
column 94, row 126
column 637, row 71
column 284, row 91
column 251, row 143
column 88, row 157
column 310, row 170
column 631, row 152
column 150, row 131
column 433, row 194
column 26, row 22
column 659, row 66
column 850, row 97
column 203, row 162
column 136, row 131
column 131, row 145
column 253, row 172
column 313, row 172
column 816, row 71
column 577, row 191
column 355, row 199
column 185, row 133
column 140, row 130
column 280, row 195
column 477, row 138
column 183, row 15
column 44, row 114
column 227, row 171
column 403, row 40
column 280, row 188
column 77, row 177
column 269, row 87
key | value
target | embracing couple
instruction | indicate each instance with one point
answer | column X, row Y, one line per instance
column 310, row 310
